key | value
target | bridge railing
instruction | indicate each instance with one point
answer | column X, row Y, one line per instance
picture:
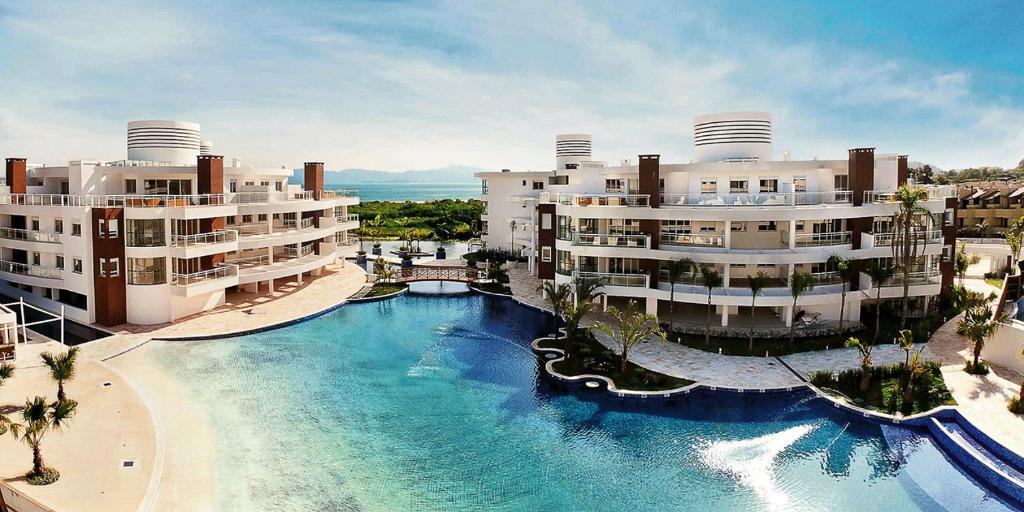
column 431, row 273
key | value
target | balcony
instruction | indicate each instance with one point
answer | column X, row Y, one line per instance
column 351, row 217
column 632, row 200
column 202, row 239
column 215, row 279
column 756, row 200
column 29, row 236
column 885, row 239
column 935, row 192
column 818, row 239
column 24, row 269
column 595, row 240
column 614, row 278
column 893, row 286
column 693, row 239
column 166, row 200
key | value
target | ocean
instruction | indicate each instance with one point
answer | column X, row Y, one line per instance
column 411, row 191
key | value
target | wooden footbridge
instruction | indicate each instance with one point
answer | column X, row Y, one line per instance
column 437, row 273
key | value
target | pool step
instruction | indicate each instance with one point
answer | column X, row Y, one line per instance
column 987, row 460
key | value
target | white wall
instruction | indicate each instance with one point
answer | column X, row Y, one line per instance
column 1004, row 349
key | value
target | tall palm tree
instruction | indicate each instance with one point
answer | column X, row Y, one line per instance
column 512, row 224
column 711, row 279
column 62, row 369
column 979, row 323
column 6, row 372
column 880, row 273
column 910, row 237
column 962, row 261
column 757, row 282
column 577, row 307
column 865, row 361
column 846, row 269
column 906, row 343
column 37, row 419
column 1014, row 240
column 799, row 283
column 556, row 295
column 676, row 270
column 633, row 326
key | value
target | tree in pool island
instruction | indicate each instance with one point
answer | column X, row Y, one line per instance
column 37, row 419
column 757, row 282
column 577, row 307
column 978, row 324
column 676, row 270
column 846, row 269
column 911, row 222
column 632, row 327
column 62, row 368
column 880, row 273
column 711, row 279
column 384, row 270
column 556, row 295
column 865, row 361
column 799, row 283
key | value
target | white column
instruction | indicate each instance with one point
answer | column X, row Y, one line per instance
column 792, row 234
column 725, row 316
column 604, row 303
column 652, row 306
column 788, row 311
column 725, row 275
column 728, row 234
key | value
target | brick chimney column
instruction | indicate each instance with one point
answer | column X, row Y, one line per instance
column 902, row 172
column 314, row 178
column 210, row 180
column 650, row 184
column 17, row 179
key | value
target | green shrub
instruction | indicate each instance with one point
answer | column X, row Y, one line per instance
column 1016, row 405
column 980, row 369
column 887, row 386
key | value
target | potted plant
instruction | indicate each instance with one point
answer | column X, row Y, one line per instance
column 406, row 260
column 361, row 257
column 440, row 254
column 376, row 249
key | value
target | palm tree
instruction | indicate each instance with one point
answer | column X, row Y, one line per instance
column 799, row 283
column 384, row 270
column 910, row 225
column 556, row 294
column 962, row 260
column 978, row 324
column 1014, row 239
column 846, row 269
column 62, row 369
column 711, row 279
column 757, row 282
column 37, row 419
column 6, row 372
column 496, row 271
column 633, row 327
column 905, row 340
column 512, row 224
column 577, row 307
column 879, row 273
column 865, row 362
column 676, row 270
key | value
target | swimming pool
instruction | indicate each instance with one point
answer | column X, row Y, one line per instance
column 435, row 403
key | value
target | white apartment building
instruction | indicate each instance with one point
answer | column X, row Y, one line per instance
column 732, row 208
column 166, row 233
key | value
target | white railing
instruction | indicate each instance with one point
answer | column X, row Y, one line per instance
column 351, row 217
column 251, row 261
column 297, row 223
column 885, row 239
column 825, row 278
column 613, row 279
column 30, row 236
column 934, row 192
column 213, row 237
column 219, row 272
column 693, row 239
column 292, row 253
column 761, row 199
column 818, row 239
column 610, row 240
column 253, row 229
column 29, row 270
column 163, row 200
column 918, row 277
column 982, row 241
column 635, row 200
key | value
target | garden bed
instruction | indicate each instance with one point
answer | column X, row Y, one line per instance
column 498, row 288
column 381, row 289
column 593, row 358
column 885, row 393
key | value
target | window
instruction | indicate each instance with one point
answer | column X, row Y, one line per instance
column 545, row 254
column 769, row 184
column 103, row 267
column 250, row 183
column 146, row 271
column 131, row 186
column 76, row 265
column 739, row 226
column 766, row 226
column 545, row 221
column 114, row 267
column 538, row 185
column 60, row 262
column 112, row 228
column 246, row 219
column 800, row 184
column 36, row 259
column 841, row 181
column 279, row 186
column 524, row 183
column 483, row 186
column 708, row 186
column 35, row 223
column 613, row 185
column 233, row 186
column 144, row 232
column 738, row 186
column 76, row 229
column 58, row 225
column 262, row 217
column 264, row 183
column 707, row 228
column 799, row 225
column 483, row 227
column 564, row 228
column 165, row 187
column 564, row 265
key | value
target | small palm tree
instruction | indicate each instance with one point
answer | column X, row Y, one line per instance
column 1014, row 240
column 496, row 271
column 799, row 283
column 757, row 282
column 846, row 269
column 384, row 270
column 880, row 273
column 905, row 340
column 577, row 307
column 6, row 372
column 632, row 327
column 979, row 323
column 62, row 369
column 915, row 369
column 676, row 270
column 37, row 419
column 865, row 362
column 711, row 279
column 962, row 261
column 556, row 294
column 512, row 224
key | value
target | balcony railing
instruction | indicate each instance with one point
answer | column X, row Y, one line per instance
column 252, row 229
column 351, row 217
column 29, row 270
column 889, row 196
column 693, row 239
column 251, row 261
column 297, row 223
column 291, row 252
column 213, row 237
column 762, row 199
column 818, row 239
column 613, row 278
column 219, row 272
column 164, row 200
column 595, row 240
column 30, row 236
column 635, row 200
column 885, row 239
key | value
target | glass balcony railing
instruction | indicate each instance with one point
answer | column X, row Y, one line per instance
column 29, row 270
column 818, row 239
column 885, row 239
column 166, row 200
column 753, row 200
column 613, row 278
column 213, row 237
column 595, row 240
column 219, row 272
column 693, row 239
column 29, row 236
column 934, row 192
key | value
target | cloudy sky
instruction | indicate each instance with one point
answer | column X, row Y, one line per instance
column 415, row 85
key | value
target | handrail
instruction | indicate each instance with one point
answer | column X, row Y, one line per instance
column 934, row 192
column 818, row 239
column 694, row 239
column 613, row 278
column 251, row 261
column 759, row 199
column 219, row 272
column 601, row 240
column 253, row 228
column 885, row 239
column 213, row 237
column 163, row 200
column 298, row 253
column 347, row 218
column 15, row 267
column 633, row 200
column 27, row 235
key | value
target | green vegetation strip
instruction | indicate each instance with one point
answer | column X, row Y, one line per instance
column 887, row 391
column 593, row 358
column 446, row 219
column 381, row 289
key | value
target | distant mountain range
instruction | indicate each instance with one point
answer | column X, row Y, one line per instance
column 450, row 174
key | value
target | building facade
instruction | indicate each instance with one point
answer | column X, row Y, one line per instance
column 164, row 234
column 989, row 209
column 732, row 209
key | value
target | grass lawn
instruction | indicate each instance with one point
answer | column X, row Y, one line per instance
column 591, row 357
column 998, row 283
column 885, row 393
column 385, row 289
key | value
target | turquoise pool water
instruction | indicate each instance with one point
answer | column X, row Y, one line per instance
column 431, row 402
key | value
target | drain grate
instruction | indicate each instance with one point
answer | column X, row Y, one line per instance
column 128, row 464
column 106, row 384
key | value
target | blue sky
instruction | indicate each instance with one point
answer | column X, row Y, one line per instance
column 405, row 85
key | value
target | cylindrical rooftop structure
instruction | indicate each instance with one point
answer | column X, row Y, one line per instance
column 571, row 149
column 739, row 136
column 175, row 142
